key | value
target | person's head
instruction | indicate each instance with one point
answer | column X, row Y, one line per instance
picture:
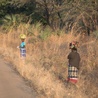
column 22, row 39
column 74, row 49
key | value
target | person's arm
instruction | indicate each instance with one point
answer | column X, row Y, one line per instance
column 69, row 56
column 79, row 57
column 24, row 45
column 79, row 63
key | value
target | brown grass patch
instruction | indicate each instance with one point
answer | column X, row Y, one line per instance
column 46, row 64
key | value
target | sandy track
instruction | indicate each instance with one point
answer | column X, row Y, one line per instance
column 12, row 85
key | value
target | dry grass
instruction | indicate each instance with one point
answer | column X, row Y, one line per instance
column 46, row 63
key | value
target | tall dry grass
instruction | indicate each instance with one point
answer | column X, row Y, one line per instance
column 45, row 66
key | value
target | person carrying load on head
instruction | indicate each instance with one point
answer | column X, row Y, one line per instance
column 22, row 46
column 74, row 60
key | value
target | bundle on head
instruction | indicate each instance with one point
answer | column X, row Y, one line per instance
column 73, row 44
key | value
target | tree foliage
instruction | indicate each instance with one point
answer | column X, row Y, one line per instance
column 76, row 15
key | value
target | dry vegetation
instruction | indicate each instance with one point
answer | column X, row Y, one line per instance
column 46, row 63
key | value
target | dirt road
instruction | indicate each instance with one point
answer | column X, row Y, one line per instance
column 12, row 85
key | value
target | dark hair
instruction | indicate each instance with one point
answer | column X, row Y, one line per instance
column 22, row 40
column 74, row 49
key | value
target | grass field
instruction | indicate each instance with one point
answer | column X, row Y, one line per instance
column 45, row 66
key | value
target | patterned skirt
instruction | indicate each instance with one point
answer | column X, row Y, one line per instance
column 22, row 52
column 72, row 74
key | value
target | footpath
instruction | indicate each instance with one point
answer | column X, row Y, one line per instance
column 12, row 85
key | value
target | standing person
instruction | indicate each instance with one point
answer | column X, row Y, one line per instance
column 22, row 46
column 73, row 67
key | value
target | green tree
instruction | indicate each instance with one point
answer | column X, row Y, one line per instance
column 70, row 15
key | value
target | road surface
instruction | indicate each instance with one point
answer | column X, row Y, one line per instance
column 12, row 85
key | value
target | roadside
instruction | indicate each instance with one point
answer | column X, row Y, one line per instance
column 12, row 85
